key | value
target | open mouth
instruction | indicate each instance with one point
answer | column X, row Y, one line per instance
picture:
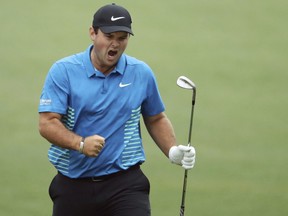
column 112, row 53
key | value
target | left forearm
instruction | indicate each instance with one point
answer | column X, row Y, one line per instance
column 161, row 131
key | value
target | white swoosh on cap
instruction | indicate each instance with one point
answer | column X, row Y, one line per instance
column 121, row 85
column 116, row 18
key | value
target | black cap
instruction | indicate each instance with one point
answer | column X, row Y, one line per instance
column 112, row 18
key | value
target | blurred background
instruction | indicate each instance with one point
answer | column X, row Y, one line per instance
column 234, row 51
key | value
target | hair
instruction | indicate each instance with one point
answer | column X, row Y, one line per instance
column 96, row 29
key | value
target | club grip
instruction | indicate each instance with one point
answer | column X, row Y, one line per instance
column 182, row 211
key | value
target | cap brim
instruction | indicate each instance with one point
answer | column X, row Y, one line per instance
column 110, row 29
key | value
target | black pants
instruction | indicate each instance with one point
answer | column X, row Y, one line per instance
column 124, row 194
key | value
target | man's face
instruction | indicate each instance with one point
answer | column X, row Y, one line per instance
column 107, row 48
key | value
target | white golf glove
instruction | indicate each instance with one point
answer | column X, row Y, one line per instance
column 183, row 155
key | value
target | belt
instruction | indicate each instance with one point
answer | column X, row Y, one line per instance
column 104, row 177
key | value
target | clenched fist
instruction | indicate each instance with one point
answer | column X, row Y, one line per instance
column 93, row 145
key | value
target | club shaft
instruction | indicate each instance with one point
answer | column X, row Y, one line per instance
column 182, row 207
column 191, row 123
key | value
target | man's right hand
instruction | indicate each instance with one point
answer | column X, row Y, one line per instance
column 93, row 145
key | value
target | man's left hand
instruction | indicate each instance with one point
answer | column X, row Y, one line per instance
column 183, row 155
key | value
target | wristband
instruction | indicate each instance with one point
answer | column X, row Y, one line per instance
column 81, row 148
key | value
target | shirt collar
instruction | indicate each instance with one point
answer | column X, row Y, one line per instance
column 120, row 66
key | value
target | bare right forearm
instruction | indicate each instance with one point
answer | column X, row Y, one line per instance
column 52, row 129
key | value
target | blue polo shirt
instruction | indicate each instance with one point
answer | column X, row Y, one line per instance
column 109, row 106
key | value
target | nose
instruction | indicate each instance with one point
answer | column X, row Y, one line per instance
column 115, row 43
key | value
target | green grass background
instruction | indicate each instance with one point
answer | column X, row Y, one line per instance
column 235, row 52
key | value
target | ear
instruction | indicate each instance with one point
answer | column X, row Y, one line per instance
column 92, row 33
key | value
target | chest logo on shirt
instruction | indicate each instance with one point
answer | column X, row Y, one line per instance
column 122, row 85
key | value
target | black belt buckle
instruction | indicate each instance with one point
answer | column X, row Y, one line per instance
column 97, row 179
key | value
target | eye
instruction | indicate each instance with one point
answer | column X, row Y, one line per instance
column 123, row 38
column 108, row 36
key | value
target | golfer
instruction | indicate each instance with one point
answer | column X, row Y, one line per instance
column 90, row 108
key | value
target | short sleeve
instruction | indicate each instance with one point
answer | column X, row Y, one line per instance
column 54, row 96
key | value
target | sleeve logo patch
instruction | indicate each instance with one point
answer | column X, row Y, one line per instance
column 45, row 102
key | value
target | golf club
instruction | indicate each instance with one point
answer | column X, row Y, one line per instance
column 186, row 83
